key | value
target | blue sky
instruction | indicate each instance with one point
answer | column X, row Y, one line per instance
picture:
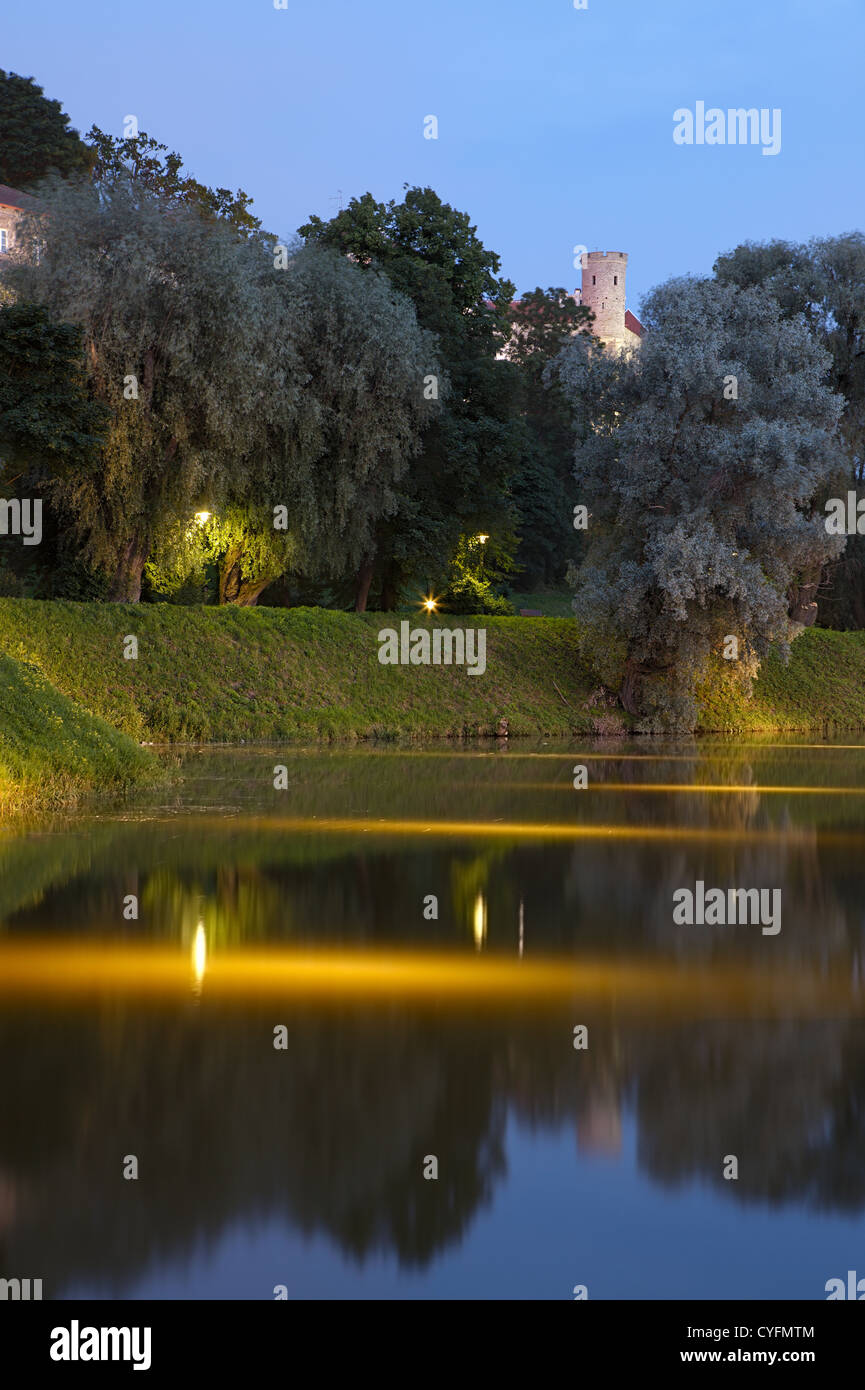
column 555, row 124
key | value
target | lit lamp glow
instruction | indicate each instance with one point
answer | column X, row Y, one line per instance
column 202, row 517
column 480, row 921
column 199, row 954
column 431, row 605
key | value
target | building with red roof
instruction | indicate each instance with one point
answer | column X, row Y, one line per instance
column 12, row 206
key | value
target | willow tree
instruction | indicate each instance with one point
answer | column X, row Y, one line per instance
column 430, row 251
column 702, row 465
column 172, row 315
column 343, row 420
column 369, row 367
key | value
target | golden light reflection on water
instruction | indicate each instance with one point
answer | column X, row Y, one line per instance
column 199, row 954
column 702, row 753
column 57, row 969
column 479, row 924
column 512, row 830
column 700, row 787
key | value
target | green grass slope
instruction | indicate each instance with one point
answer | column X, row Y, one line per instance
column 227, row 674
column 52, row 751
column 822, row 687
column 233, row 675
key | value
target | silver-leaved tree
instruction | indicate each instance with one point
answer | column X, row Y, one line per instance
column 703, row 460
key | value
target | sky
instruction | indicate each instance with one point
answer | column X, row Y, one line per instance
column 555, row 124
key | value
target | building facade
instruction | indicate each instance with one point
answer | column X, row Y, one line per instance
column 603, row 291
column 12, row 206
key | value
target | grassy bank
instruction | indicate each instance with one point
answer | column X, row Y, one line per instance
column 229, row 675
column 823, row 687
column 52, row 751
column 254, row 675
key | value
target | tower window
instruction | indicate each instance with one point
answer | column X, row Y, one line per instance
column 615, row 279
column 593, row 279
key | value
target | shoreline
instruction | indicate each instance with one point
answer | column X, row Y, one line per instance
column 77, row 719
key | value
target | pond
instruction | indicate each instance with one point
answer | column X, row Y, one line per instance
column 421, row 1023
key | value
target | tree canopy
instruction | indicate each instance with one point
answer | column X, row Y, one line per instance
column 36, row 135
column 824, row 280
column 151, row 166
column 170, row 317
column 702, row 463
column 458, row 483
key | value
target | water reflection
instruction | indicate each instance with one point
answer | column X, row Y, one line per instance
column 411, row 1034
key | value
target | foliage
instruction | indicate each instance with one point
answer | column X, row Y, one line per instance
column 469, row 593
column 37, row 138
column 824, row 281
column 49, row 429
column 48, row 424
column 156, row 170
column 475, row 567
column 703, row 509
column 543, row 322
column 351, row 414
column 168, row 302
column 363, row 359
column 431, row 252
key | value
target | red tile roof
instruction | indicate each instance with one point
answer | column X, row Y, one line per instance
column 11, row 198
column 633, row 324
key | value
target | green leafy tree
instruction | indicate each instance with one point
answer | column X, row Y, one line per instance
column 170, row 311
column 825, row 282
column 35, row 136
column 703, row 509
column 49, row 429
column 153, row 167
column 458, row 483
column 543, row 322
column 476, row 565
column 48, row 424
column 327, row 470
column 366, row 360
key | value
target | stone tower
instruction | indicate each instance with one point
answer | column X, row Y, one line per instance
column 603, row 291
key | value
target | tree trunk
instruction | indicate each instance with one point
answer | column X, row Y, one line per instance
column 126, row 584
column 233, row 588
column 390, row 589
column 362, row 583
column 802, row 599
column 632, row 681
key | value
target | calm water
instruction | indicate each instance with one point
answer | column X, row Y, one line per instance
column 409, row 1036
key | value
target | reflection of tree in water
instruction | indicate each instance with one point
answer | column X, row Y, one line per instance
column 330, row 1135
column 785, row 1097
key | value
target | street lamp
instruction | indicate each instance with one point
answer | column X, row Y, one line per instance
column 483, row 540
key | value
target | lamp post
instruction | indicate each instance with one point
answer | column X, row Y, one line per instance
column 483, row 540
